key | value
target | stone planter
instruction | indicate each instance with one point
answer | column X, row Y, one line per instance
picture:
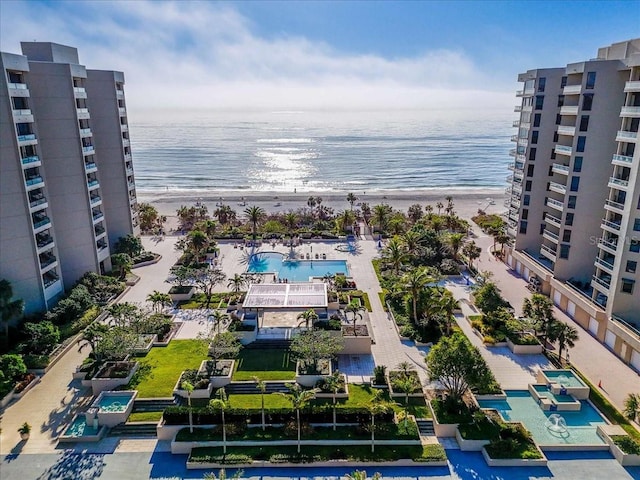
column 402, row 395
column 100, row 384
column 625, row 459
column 145, row 342
column 470, row 445
column 360, row 345
column 345, row 394
column 197, row 392
column 524, row 349
column 515, row 462
column 442, row 429
column 25, row 436
column 217, row 381
column 179, row 294
column 32, row 384
column 310, row 380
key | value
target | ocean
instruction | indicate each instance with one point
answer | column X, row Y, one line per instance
column 204, row 151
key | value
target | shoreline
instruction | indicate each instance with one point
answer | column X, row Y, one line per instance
column 466, row 202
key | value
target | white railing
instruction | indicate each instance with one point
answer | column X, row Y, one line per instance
column 618, row 182
column 559, row 168
column 630, row 111
column 616, row 205
column 622, row 158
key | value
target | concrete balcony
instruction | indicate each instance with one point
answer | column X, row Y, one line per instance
column 548, row 252
column 514, row 138
column 95, row 200
column 41, row 224
column 566, row 130
column 560, row 169
column 120, row 93
column 516, row 188
column 520, row 108
column 51, row 281
column 629, row 332
column 514, row 202
column 563, row 150
column 518, row 175
column 83, row 113
column 126, row 142
column 88, row 150
column 45, row 244
column 614, row 206
column 632, row 86
column 604, row 265
column 632, row 112
column 90, row 167
column 93, row 184
column 555, row 204
column 48, row 262
column 569, row 110
column 30, row 162
column 34, row 182
column 38, row 204
column 608, row 246
column 601, row 284
column 622, row 160
column 79, row 92
column 18, row 89
column 549, row 235
column 624, row 136
column 131, row 185
column 85, row 132
column 553, row 220
column 22, row 116
column 572, row 90
column 557, row 187
column 618, row 183
column 122, row 111
column 610, row 226
column 97, row 216
column 28, row 139
column 124, row 127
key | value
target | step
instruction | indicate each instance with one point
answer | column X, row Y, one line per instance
column 138, row 429
column 250, row 387
column 152, row 405
column 425, row 427
column 269, row 344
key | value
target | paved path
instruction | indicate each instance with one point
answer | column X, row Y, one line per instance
column 590, row 356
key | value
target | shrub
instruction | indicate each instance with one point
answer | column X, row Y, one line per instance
column 12, row 367
column 380, row 375
column 627, row 444
column 191, row 376
column 41, row 337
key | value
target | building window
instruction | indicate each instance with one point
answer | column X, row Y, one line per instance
column 568, row 220
column 541, row 83
column 558, row 119
column 584, row 123
column 536, row 119
column 520, row 150
column 523, row 226
column 577, row 164
column 572, row 201
column 553, row 154
column 563, row 82
column 564, row 251
column 566, row 236
column 539, row 102
column 542, row 228
column 575, row 183
column 580, row 144
column 591, row 80
column 636, row 225
column 627, row 285
column 530, row 170
column 534, row 136
column 525, row 214
column 532, row 154
column 632, row 265
column 527, row 186
column 634, row 246
column 526, row 200
column 587, row 101
column 560, row 100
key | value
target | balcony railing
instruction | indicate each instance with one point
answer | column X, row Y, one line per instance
column 26, row 138
column 554, row 204
column 630, row 112
column 624, row 135
column 613, row 246
column 548, row 252
column 21, row 111
column 572, row 90
column 79, row 90
column 92, row 183
column 122, row 111
column 85, row 132
column 88, row 149
column 614, row 205
column 45, row 242
column 629, row 326
column 550, row 235
column 604, row 264
column 557, row 187
column 96, row 199
column 97, row 216
column 41, row 223
column 610, row 224
column 569, row 110
column 563, row 149
column 622, row 159
column 34, row 180
column 552, row 220
column 559, row 168
column 37, row 201
column 17, row 86
column 618, row 182
column 31, row 159
column 45, row 262
column 566, row 130
column 90, row 165
column 82, row 110
column 49, row 280
column 602, row 282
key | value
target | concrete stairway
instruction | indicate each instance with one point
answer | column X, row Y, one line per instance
column 425, row 427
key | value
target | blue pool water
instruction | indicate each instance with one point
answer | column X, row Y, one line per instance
column 558, row 398
column 565, row 378
column 296, row 270
column 114, row 403
column 79, row 428
column 521, row 406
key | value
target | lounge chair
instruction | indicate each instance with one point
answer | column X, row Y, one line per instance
column 307, row 257
column 317, row 256
column 324, row 256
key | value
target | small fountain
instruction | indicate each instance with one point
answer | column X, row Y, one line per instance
column 562, row 379
column 556, row 424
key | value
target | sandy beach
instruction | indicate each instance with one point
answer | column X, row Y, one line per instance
column 466, row 203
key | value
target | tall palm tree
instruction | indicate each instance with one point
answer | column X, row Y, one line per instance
column 429, row 210
column 333, row 383
column 299, row 399
column 356, row 309
column 381, row 216
column 9, row 309
column 198, row 243
column 406, row 384
column 472, row 251
column 351, row 198
column 453, row 244
column 290, row 221
column 311, row 203
column 237, row 283
column 255, row 215
column 308, row 317
column 439, row 206
column 566, row 336
column 414, row 281
column 376, row 406
column 632, row 406
column 262, row 386
column 394, row 254
column 123, row 263
column 448, row 304
column 345, row 219
column 222, row 404
column 540, row 309
column 224, row 214
column 217, row 317
column 412, row 241
column 188, row 387
column 159, row 300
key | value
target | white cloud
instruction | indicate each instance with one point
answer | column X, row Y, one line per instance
column 199, row 55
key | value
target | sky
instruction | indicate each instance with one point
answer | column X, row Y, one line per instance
column 322, row 54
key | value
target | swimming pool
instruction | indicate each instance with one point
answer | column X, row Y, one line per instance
column 294, row 270
column 566, row 378
column 520, row 406
column 79, row 428
column 114, row 402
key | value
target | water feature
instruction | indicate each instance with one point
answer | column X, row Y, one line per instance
column 79, row 427
column 294, row 270
column 544, row 391
column 566, row 378
column 581, row 425
column 556, row 424
column 114, row 402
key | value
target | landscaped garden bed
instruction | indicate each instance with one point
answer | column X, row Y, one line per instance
column 200, row 382
column 513, row 447
column 113, row 375
column 272, row 364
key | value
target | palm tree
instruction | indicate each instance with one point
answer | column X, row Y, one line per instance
column 356, row 309
column 381, row 216
column 394, row 254
column 412, row 241
column 217, row 317
column 406, row 384
column 198, row 242
column 333, row 383
column 566, row 335
column 632, row 406
column 298, row 398
column 255, row 215
column 540, row 309
column 221, row 403
column 188, row 387
column 308, row 317
column 376, row 406
column 429, row 210
column 262, row 386
column 448, row 304
column 290, row 221
column 9, row 309
column 345, row 219
column 237, row 283
column 159, row 300
column 222, row 475
column 414, row 281
column 439, row 206
column 122, row 262
column 472, row 251
column 311, row 203
column 224, row 214
column 453, row 244
column 351, row 198
column 362, row 475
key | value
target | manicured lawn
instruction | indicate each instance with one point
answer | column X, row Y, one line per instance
column 276, row 364
column 145, row 417
column 252, row 401
column 161, row 367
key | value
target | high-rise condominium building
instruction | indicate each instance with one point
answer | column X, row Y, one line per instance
column 67, row 189
column 574, row 207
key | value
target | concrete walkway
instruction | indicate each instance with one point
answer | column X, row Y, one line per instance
column 589, row 356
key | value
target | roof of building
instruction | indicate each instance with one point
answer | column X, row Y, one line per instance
column 286, row 295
